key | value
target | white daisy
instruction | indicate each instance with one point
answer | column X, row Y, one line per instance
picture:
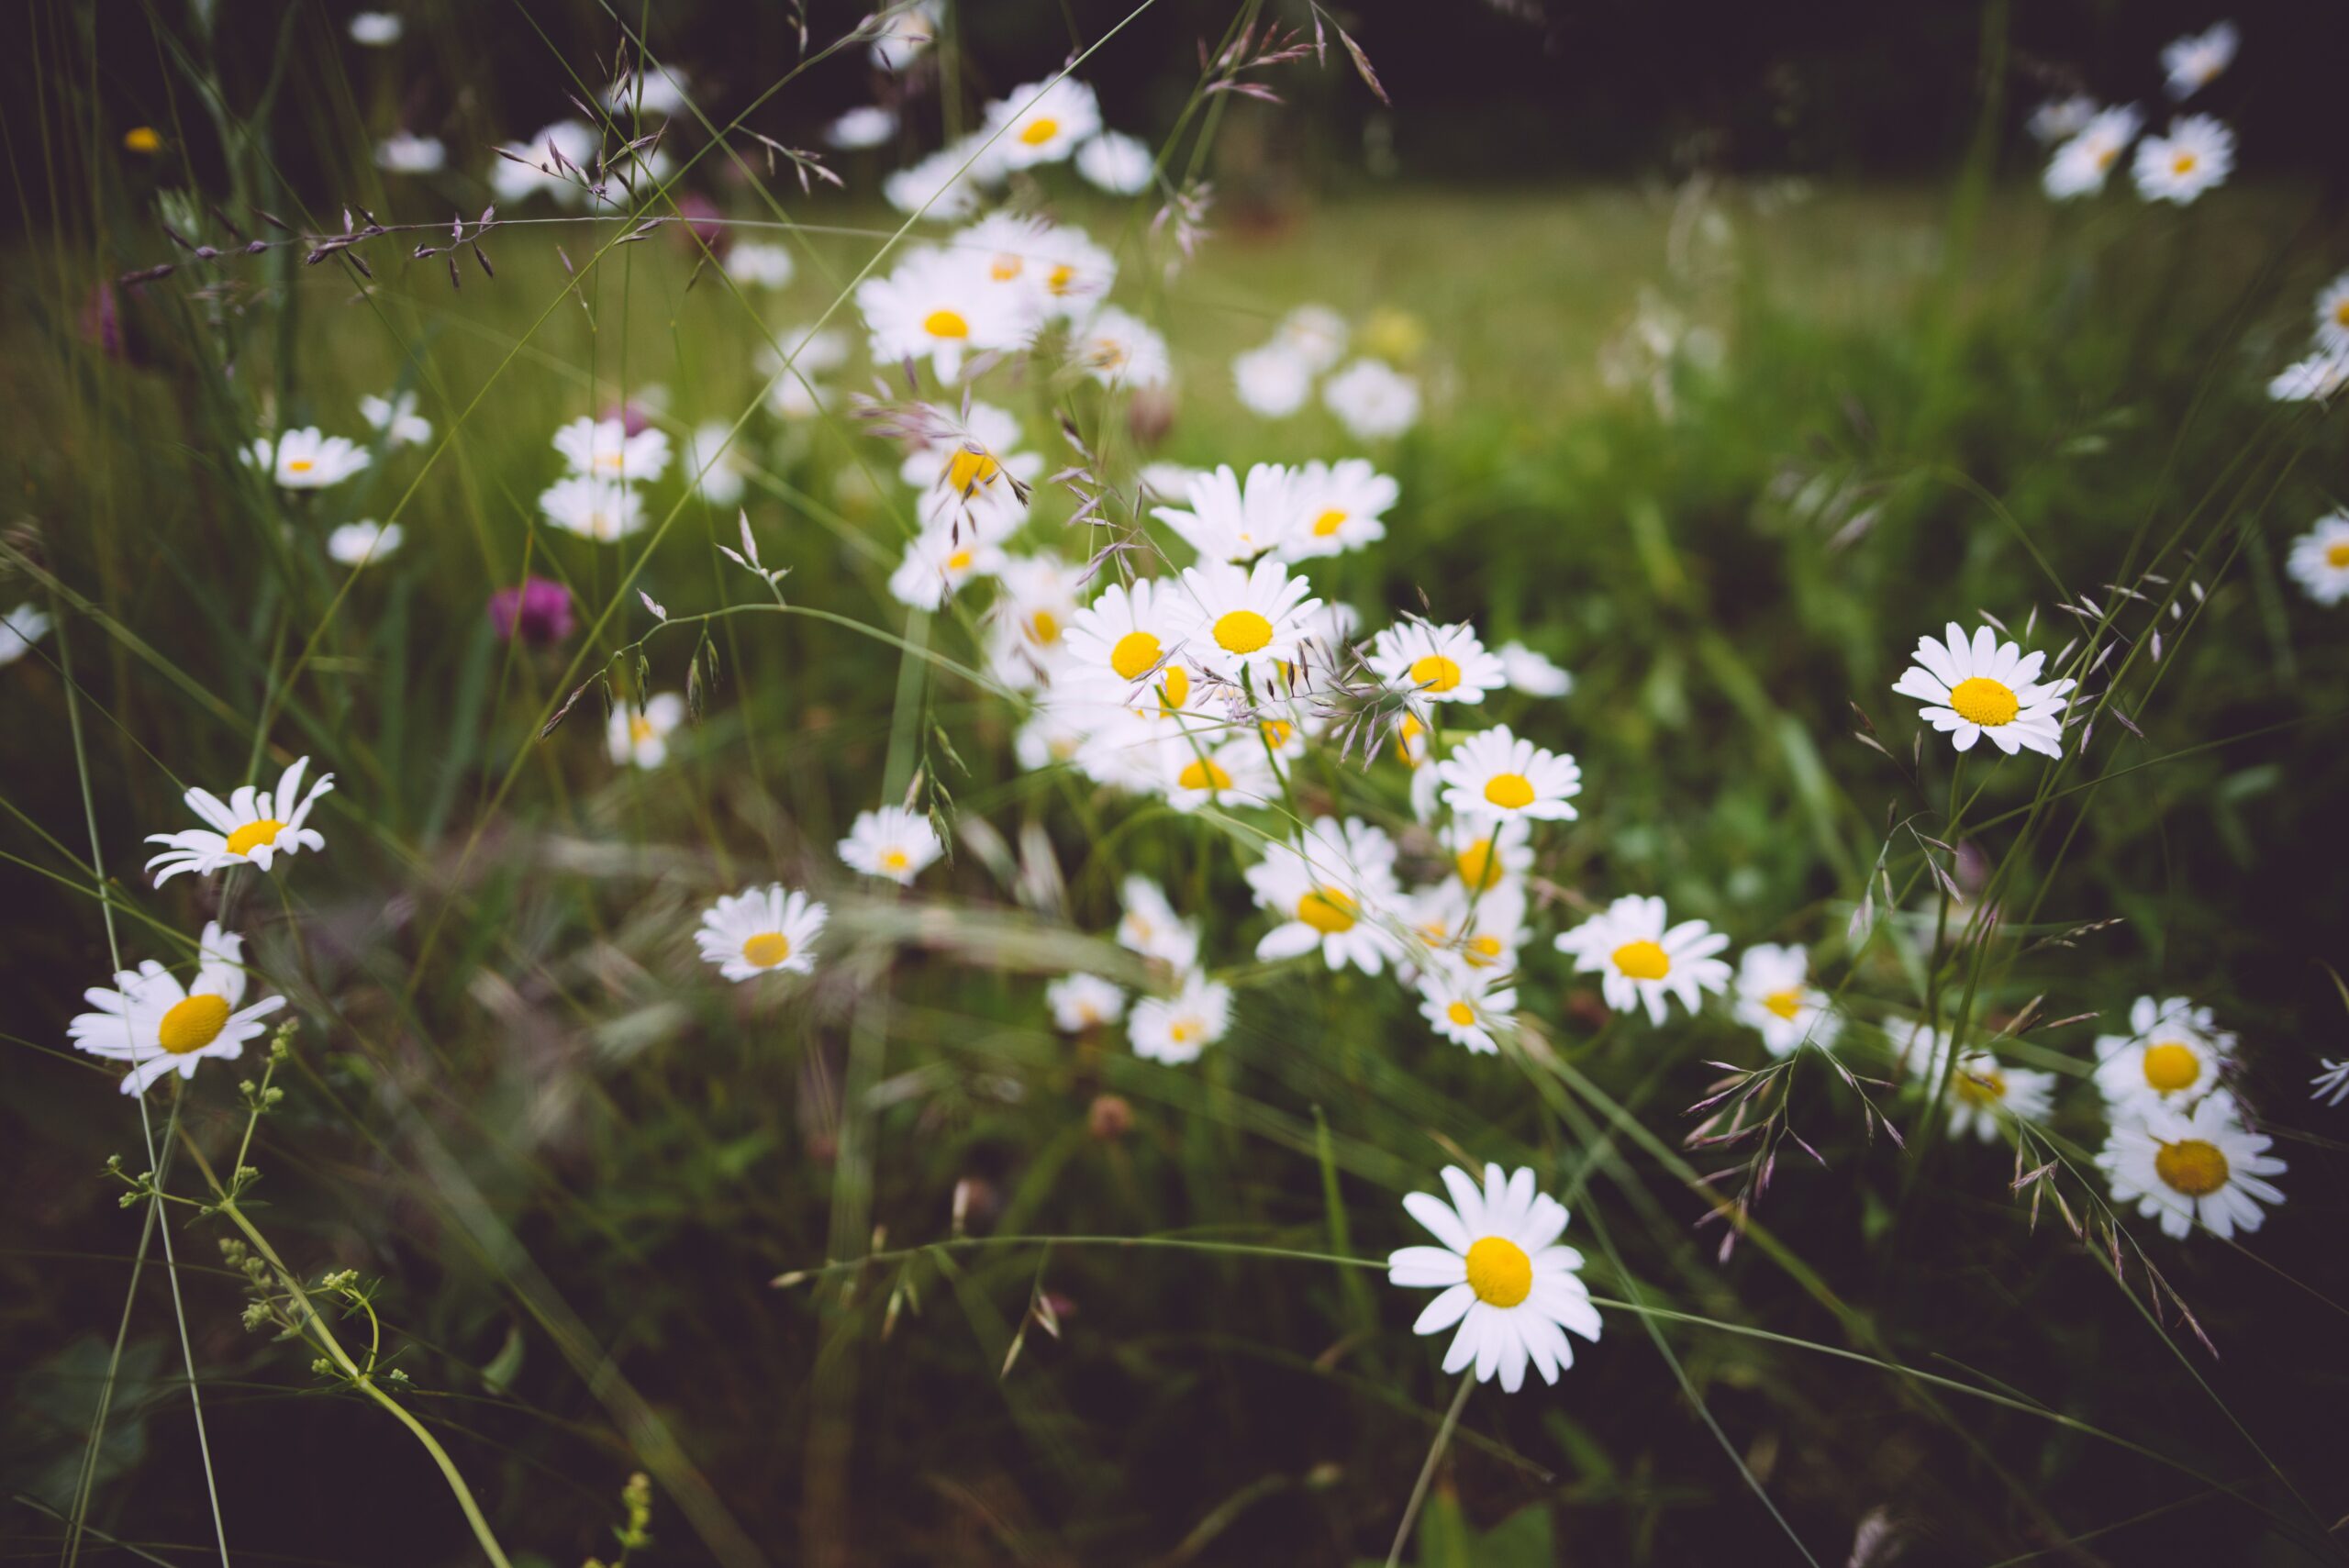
column 974, row 455
column 2331, row 1084
column 638, row 737
column 2182, row 1168
column 19, row 630
column 398, row 418
column 362, row 543
column 1336, row 507
column 2060, row 119
column 940, row 560
column 1115, row 163
column 1477, row 932
column 2192, row 61
column 1070, row 271
column 1506, row 1280
column 1243, row 617
column 1333, row 889
column 1315, row 334
column 376, row 30
column 661, row 93
column 761, row 931
column 901, row 33
column 791, row 366
column 1081, row 1001
column 1984, row 1091
column 1639, row 961
column 529, row 167
column 1435, row 663
column 944, row 185
column 401, row 153
column 251, row 827
column 602, row 509
column 1117, row 348
column 1231, row 520
column 1777, row 999
column 1492, row 775
column 1175, row 1029
column 1042, row 122
column 866, row 126
column 1272, row 381
column 1532, row 672
column 1197, row 768
column 760, row 264
column 1149, row 926
column 1128, row 634
column 2081, row 166
column 602, row 448
column 2320, row 559
column 2333, row 315
column 1987, row 687
column 1463, row 1007
column 1486, row 853
column 307, row 460
column 1030, row 618
column 2198, row 154
column 891, row 842
column 2174, row 1054
column 149, row 1021
column 715, row 462
column 2319, row 378
column 1918, row 1048
column 1372, row 400
column 942, row 305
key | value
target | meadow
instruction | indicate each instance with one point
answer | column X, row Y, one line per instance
column 523, row 1232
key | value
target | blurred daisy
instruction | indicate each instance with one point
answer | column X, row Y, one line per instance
column 1081, row 1001
column 1468, row 929
column 1532, row 672
column 396, row 418
column 1117, row 348
column 1435, row 663
column 149, row 1021
column 362, row 543
column 1271, row 381
column 942, row 305
column 1639, row 961
column 791, row 366
column 1372, row 400
column 1175, row 1029
column 866, row 126
column 1333, row 889
column 1492, row 775
column 1115, row 163
column 2081, row 165
column 638, row 737
column 1196, row 770
column 974, row 455
column 1461, row 1008
column 1987, row 687
column 2333, row 315
column 2172, row 1055
column 944, row 185
column 400, row 153
column 761, row 930
column 251, row 827
column 2318, row 378
column 2180, row 1168
column 1336, row 507
column 2193, row 61
column 1775, row 998
column 2197, row 153
column 2331, row 1084
column 1149, row 926
column 1042, row 122
column 375, row 29
column 1984, row 1091
column 1231, row 520
column 2320, row 559
column 1511, row 1288
column 760, row 264
column 2060, row 119
column 1030, row 618
column 602, row 509
column 307, row 460
column 1486, row 852
column 902, row 32
column 1243, row 617
column 716, row 463
column 1315, row 334
column 1918, row 1048
column 526, row 168
column 19, row 630
column 891, row 842
column 602, row 448
column 939, row 561
column 1071, row 271
column 660, row 93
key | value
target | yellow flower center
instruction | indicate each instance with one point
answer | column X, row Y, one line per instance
column 1006, row 268
column 946, row 324
column 1978, row 699
column 1326, row 910
column 1040, row 131
column 1479, row 866
column 1174, row 690
column 1276, row 732
column 1481, row 952
column 640, row 728
column 1434, row 672
column 141, row 139
column 1242, row 631
column 2171, row 1066
column 1786, row 1003
column 2105, row 155
column 2341, row 312
column 767, row 949
column 1499, row 1271
column 1643, row 959
column 1510, row 791
column 1133, row 653
column 1327, row 523
column 1203, row 772
column 1988, row 1087
column 969, row 468
column 1182, row 1030
column 958, row 562
column 615, row 461
column 2183, row 163
column 2191, row 1166
column 1044, row 627
column 1058, row 280
column 299, row 466
column 2337, row 556
column 192, row 1025
column 895, row 860
column 254, row 835
column 1461, row 1013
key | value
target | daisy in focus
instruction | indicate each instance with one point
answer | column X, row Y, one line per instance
column 2194, row 61
column 1081, row 1001
column 1175, row 1029
column 1464, row 1008
column 1042, row 122
column 306, row 460
column 151, row 1022
column 1778, row 1001
column 602, row 448
column 2320, row 559
column 251, row 827
column 638, row 737
column 2204, row 1167
column 1330, row 890
column 1232, row 519
column 1506, row 1280
column 1244, row 619
column 2172, row 1055
column 1987, row 687
column 761, row 931
column 1495, row 776
column 2198, row 154
column 891, row 842
column 1435, row 663
column 1639, row 961
column 941, row 305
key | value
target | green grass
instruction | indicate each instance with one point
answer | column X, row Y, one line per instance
column 566, row 1162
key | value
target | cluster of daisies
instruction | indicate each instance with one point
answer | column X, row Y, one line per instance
column 2195, row 154
column 307, row 459
column 1371, row 398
